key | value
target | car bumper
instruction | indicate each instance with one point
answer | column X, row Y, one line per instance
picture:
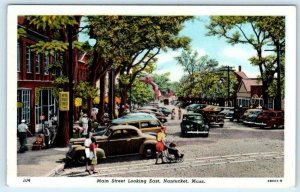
column 216, row 123
column 249, row 122
column 260, row 124
column 197, row 132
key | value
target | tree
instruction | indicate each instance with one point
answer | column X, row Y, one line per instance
column 191, row 62
column 163, row 81
column 256, row 31
column 55, row 27
column 131, row 42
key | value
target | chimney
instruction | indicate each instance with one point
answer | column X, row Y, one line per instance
column 240, row 68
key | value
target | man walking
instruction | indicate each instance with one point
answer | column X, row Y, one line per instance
column 22, row 132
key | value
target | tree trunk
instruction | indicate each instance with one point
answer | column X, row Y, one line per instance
column 123, row 95
column 101, row 110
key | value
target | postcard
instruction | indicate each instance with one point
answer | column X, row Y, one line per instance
column 164, row 96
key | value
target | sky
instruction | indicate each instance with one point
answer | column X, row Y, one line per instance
column 216, row 48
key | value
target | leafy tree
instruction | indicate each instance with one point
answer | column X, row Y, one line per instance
column 141, row 93
column 163, row 81
column 257, row 31
column 191, row 62
column 130, row 43
column 55, row 27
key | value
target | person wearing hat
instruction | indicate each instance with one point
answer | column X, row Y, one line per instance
column 160, row 145
column 22, row 132
column 85, row 125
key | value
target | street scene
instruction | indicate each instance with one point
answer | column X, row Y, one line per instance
column 151, row 96
column 234, row 150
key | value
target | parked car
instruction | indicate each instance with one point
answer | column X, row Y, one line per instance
column 193, row 123
column 227, row 112
column 250, row 115
column 165, row 111
column 270, row 119
column 147, row 124
column 211, row 115
column 159, row 115
column 238, row 112
column 118, row 140
column 191, row 107
column 198, row 107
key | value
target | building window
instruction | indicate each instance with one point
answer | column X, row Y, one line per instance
column 46, row 62
column 24, row 97
column 38, row 63
column 28, row 60
column 46, row 106
column 18, row 58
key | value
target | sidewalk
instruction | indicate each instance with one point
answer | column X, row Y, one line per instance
column 40, row 163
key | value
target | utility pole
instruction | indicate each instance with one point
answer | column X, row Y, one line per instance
column 227, row 69
column 277, row 103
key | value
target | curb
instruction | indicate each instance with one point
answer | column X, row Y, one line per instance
column 55, row 170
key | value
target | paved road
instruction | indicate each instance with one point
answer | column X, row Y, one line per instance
column 232, row 151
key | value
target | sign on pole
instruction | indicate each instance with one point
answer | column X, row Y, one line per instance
column 64, row 101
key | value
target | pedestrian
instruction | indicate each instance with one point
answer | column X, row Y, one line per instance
column 87, row 143
column 179, row 113
column 85, row 125
column 22, row 132
column 173, row 114
column 160, row 145
column 93, row 156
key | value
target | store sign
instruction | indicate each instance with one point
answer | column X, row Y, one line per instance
column 19, row 104
column 64, row 101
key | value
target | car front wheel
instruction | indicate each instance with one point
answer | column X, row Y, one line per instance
column 149, row 151
column 80, row 159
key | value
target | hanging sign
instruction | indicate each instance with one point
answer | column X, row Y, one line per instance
column 64, row 101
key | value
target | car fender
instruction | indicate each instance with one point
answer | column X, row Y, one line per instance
column 147, row 142
column 80, row 149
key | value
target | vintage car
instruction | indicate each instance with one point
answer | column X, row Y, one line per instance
column 193, row 123
column 270, row 119
column 211, row 116
column 248, row 112
column 250, row 116
column 195, row 106
column 146, row 123
column 159, row 115
column 118, row 140
column 238, row 112
column 227, row 112
column 165, row 111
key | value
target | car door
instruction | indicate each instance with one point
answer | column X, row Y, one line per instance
column 136, row 141
column 118, row 144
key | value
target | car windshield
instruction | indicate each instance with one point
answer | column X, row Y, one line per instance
column 196, row 119
column 108, row 132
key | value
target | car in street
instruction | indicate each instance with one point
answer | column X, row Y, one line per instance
column 227, row 112
column 193, row 123
column 147, row 124
column 270, row 119
column 165, row 111
column 159, row 115
column 250, row 115
column 211, row 116
column 118, row 140
column 238, row 113
column 196, row 107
